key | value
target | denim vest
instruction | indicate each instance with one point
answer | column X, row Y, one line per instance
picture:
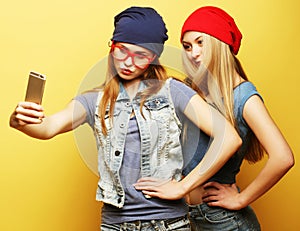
column 159, row 127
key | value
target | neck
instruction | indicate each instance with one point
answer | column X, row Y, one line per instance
column 132, row 87
column 237, row 80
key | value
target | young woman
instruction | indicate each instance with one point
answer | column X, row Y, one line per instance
column 136, row 120
column 211, row 41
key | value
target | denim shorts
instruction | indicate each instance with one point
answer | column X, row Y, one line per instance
column 204, row 217
column 180, row 224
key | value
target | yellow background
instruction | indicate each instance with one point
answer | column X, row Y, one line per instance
column 45, row 185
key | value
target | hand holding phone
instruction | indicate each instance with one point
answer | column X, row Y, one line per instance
column 35, row 87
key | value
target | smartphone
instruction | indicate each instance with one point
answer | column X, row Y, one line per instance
column 35, row 87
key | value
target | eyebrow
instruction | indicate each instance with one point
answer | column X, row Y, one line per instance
column 142, row 53
column 136, row 52
column 200, row 36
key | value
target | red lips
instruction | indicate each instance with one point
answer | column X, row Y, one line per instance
column 126, row 72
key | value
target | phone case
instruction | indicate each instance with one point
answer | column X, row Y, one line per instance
column 35, row 87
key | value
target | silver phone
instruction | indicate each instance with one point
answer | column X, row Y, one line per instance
column 35, row 87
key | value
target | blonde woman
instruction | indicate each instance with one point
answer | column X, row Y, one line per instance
column 211, row 41
column 135, row 116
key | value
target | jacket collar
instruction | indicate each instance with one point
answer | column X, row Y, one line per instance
column 123, row 94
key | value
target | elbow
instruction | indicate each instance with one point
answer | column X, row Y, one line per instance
column 289, row 161
column 239, row 141
column 38, row 136
column 46, row 135
column 286, row 161
column 232, row 138
column 41, row 134
column 236, row 141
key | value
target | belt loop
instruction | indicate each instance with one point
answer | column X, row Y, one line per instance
column 138, row 226
column 175, row 223
column 158, row 227
column 200, row 210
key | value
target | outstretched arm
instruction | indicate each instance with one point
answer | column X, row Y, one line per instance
column 225, row 143
column 29, row 118
column 280, row 160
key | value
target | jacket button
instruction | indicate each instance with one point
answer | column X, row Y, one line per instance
column 117, row 153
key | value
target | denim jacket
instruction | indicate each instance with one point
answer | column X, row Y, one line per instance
column 159, row 127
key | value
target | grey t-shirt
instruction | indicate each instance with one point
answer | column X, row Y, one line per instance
column 136, row 206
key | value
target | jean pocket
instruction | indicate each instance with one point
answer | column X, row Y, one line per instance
column 219, row 215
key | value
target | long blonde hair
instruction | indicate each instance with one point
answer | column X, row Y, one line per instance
column 155, row 74
column 213, row 80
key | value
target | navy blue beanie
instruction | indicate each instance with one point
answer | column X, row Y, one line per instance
column 141, row 26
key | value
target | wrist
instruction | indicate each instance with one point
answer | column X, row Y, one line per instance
column 242, row 201
column 185, row 186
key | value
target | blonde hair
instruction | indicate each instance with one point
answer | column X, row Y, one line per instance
column 213, row 80
column 155, row 74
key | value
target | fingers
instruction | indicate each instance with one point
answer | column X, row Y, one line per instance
column 235, row 187
column 30, row 109
column 214, row 203
column 145, row 186
column 150, row 194
column 30, row 105
column 149, row 186
column 212, row 189
column 24, row 119
column 150, row 181
column 27, row 112
column 213, row 185
column 210, row 198
column 209, row 194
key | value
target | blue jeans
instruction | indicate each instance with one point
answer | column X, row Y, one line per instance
column 204, row 217
column 180, row 224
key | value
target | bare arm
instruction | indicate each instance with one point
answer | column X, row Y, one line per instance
column 29, row 118
column 280, row 159
column 280, row 156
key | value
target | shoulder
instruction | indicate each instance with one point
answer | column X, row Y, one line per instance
column 179, row 86
column 244, row 86
column 181, row 94
column 244, row 91
column 175, row 81
column 242, row 95
column 88, row 100
column 87, row 96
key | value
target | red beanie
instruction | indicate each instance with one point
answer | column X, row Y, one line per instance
column 215, row 22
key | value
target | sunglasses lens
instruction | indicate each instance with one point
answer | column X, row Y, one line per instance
column 121, row 54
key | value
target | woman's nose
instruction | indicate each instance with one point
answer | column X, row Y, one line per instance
column 196, row 51
column 128, row 62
